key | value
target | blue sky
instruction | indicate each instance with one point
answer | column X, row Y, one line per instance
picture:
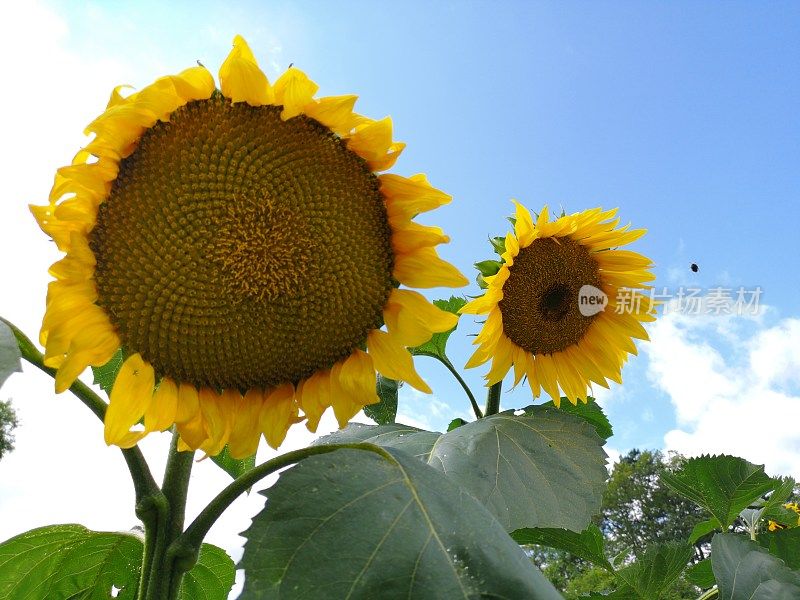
column 682, row 114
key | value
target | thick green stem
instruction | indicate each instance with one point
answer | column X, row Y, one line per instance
column 160, row 571
column 493, row 399
column 446, row 362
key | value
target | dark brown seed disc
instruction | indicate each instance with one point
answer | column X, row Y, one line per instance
column 540, row 306
column 237, row 250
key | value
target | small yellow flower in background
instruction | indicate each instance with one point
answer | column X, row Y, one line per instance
column 774, row 526
column 536, row 321
column 240, row 248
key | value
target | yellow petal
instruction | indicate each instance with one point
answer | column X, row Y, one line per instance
column 373, row 142
column 501, row 361
column 295, row 91
column 278, row 412
column 246, row 430
column 548, row 376
column 241, row 79
column 523, row 227
column 130, row 398
column 356, row 378
column 412, row 236
column 160, row 415
column 217, row 412
column 423, row 268
column 335, row 112
column 393, row 360
column 406, row 197
column 314, row 397
column 412, row 319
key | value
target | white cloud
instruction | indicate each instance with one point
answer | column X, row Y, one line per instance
column 733, row 383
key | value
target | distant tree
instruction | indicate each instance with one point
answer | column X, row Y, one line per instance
column 8, row 421
column 637, row 510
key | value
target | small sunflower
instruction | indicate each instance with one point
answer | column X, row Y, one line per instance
column 775, row 526
column 240, row 248
column 535, row 321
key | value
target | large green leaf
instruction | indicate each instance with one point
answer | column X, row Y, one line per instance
column 588, row 544
column 744, row 570
column 69, row 561
column 545, row 468
column 785, row 544
column 9, row 353
column 437, row 345
column 385, row 411
column 724, row 485
column 105, row 375
column 211, row 578
column 655, row 570
column 590, row 411
column 701, row 529
column 358, row 524
column 233, row 466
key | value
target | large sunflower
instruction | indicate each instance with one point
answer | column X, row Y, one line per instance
column 535, row 321
column 239, row 247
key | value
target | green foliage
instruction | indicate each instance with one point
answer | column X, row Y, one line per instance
column 587, row 545
column 105, row 375
column 590, row 412
column 487, row 268
column 501, row 458
column 435, row 347
column 66, row 561
column 743, row 569
column 426, row 537
column 385, row 411
column 8, row 421
column 70, row 561
column 655, row 571
column 701, row 574
column 785, row 544
column 457, row 422
column 9, row 353
column 234, row 466
column 723, row 485
column 211, row 578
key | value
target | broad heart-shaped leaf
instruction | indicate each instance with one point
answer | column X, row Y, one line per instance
column 105, row 375
column 701, row 574
column 655, row 570
column 385, row 411
column 436, row 346
column 9, row 353
column 359, row 524
column 69, row 561
column 211, row 578
column 744, row 570
column 590, row 412
column 545, row 468
column 723, row 485
column 785, row 544
column 588, row 544
column 233, row 466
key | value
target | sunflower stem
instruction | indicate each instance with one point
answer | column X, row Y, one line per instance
column 493, row 399
column 446, row 362
column 161, row 571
